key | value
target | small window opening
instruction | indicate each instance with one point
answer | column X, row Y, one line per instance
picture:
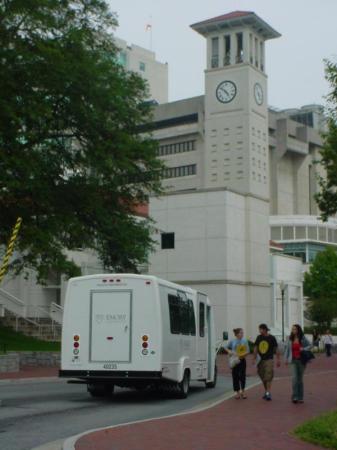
column 239, row 46
column 215, row 53
column 227, row 58
column 167, row 240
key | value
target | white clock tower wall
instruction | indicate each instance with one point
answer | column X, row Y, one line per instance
column 236, row 114
column 236, row 148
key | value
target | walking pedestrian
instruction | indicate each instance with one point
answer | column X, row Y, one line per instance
column 327, row 341
column 295, row 344
column 265, row 347
column 239, row 347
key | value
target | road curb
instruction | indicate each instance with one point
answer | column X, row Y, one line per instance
column 54, row 445
column 69, row 443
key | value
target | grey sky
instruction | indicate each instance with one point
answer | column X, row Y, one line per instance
column 294, row 62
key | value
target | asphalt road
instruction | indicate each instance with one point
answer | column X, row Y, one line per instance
column 34, row 413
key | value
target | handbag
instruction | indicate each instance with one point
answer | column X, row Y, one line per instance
column 233, row 361
column 306, row 356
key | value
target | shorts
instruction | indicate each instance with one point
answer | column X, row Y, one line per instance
column 265, row 370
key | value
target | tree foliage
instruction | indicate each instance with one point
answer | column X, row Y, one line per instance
column 327, row 197
column 72, row 161
column 320, row 285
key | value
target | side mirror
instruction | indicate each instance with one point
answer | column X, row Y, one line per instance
column 225, row 335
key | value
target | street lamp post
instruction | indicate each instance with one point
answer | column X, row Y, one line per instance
column 282, row 287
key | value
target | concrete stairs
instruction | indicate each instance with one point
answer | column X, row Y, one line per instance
column 41, row 328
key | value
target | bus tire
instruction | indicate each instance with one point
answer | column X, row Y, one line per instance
column 184, row 386
column 212, row 384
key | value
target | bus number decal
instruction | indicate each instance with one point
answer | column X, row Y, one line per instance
column 110, row 366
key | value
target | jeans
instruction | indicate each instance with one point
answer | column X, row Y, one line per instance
column 239, row 376
column 328, row 349
column 297, row 379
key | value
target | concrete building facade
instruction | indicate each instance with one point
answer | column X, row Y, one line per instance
column 144, row 63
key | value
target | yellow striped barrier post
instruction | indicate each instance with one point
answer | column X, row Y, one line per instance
column 10, row 248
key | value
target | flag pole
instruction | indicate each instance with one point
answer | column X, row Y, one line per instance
column 149, row 28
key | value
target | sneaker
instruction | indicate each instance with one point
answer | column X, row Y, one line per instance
column 264, row 396
column 300, row 401
column 294, row 400
column 267, row 397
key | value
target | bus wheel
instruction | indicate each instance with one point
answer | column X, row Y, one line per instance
column 184, row 386
column 212, row 384
column 100, row 390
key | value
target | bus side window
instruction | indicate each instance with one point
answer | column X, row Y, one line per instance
column 191, row 317
column 175, row 316
column 201, row 319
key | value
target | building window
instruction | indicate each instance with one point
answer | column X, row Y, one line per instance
column 227, row 44
column 330, row 235
column 142, row 66
column 256, row 53
column 322, row 234
column 261, row 56
column 167, row 241
column 239, row 47
column 177, row 147
column 300, row 233
column 288, row 233
column 215, row 53
column 122, row 58
column 181, row 171
column 312, row 233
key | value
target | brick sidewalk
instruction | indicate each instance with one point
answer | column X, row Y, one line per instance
column 251, row 424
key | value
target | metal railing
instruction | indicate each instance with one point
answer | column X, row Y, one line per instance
column 215, row 62
column 56, row 313
column 12, row 303
column 227, row 60
column 32, row 315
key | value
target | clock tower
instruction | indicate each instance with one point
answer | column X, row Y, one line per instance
column 236, row 110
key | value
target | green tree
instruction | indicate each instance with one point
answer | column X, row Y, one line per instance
column 72, row 161
column 327, row 197
column 320, row 285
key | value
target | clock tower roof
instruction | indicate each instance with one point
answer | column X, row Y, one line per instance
column 233, row 20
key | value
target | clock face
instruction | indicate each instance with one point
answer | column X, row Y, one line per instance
column 258, row 93
column 226, row 91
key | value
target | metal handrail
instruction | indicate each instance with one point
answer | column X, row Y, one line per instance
column 56, row 313
column 11, row 297
column 56, row 306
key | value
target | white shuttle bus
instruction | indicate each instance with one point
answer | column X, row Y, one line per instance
column 136, row 331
